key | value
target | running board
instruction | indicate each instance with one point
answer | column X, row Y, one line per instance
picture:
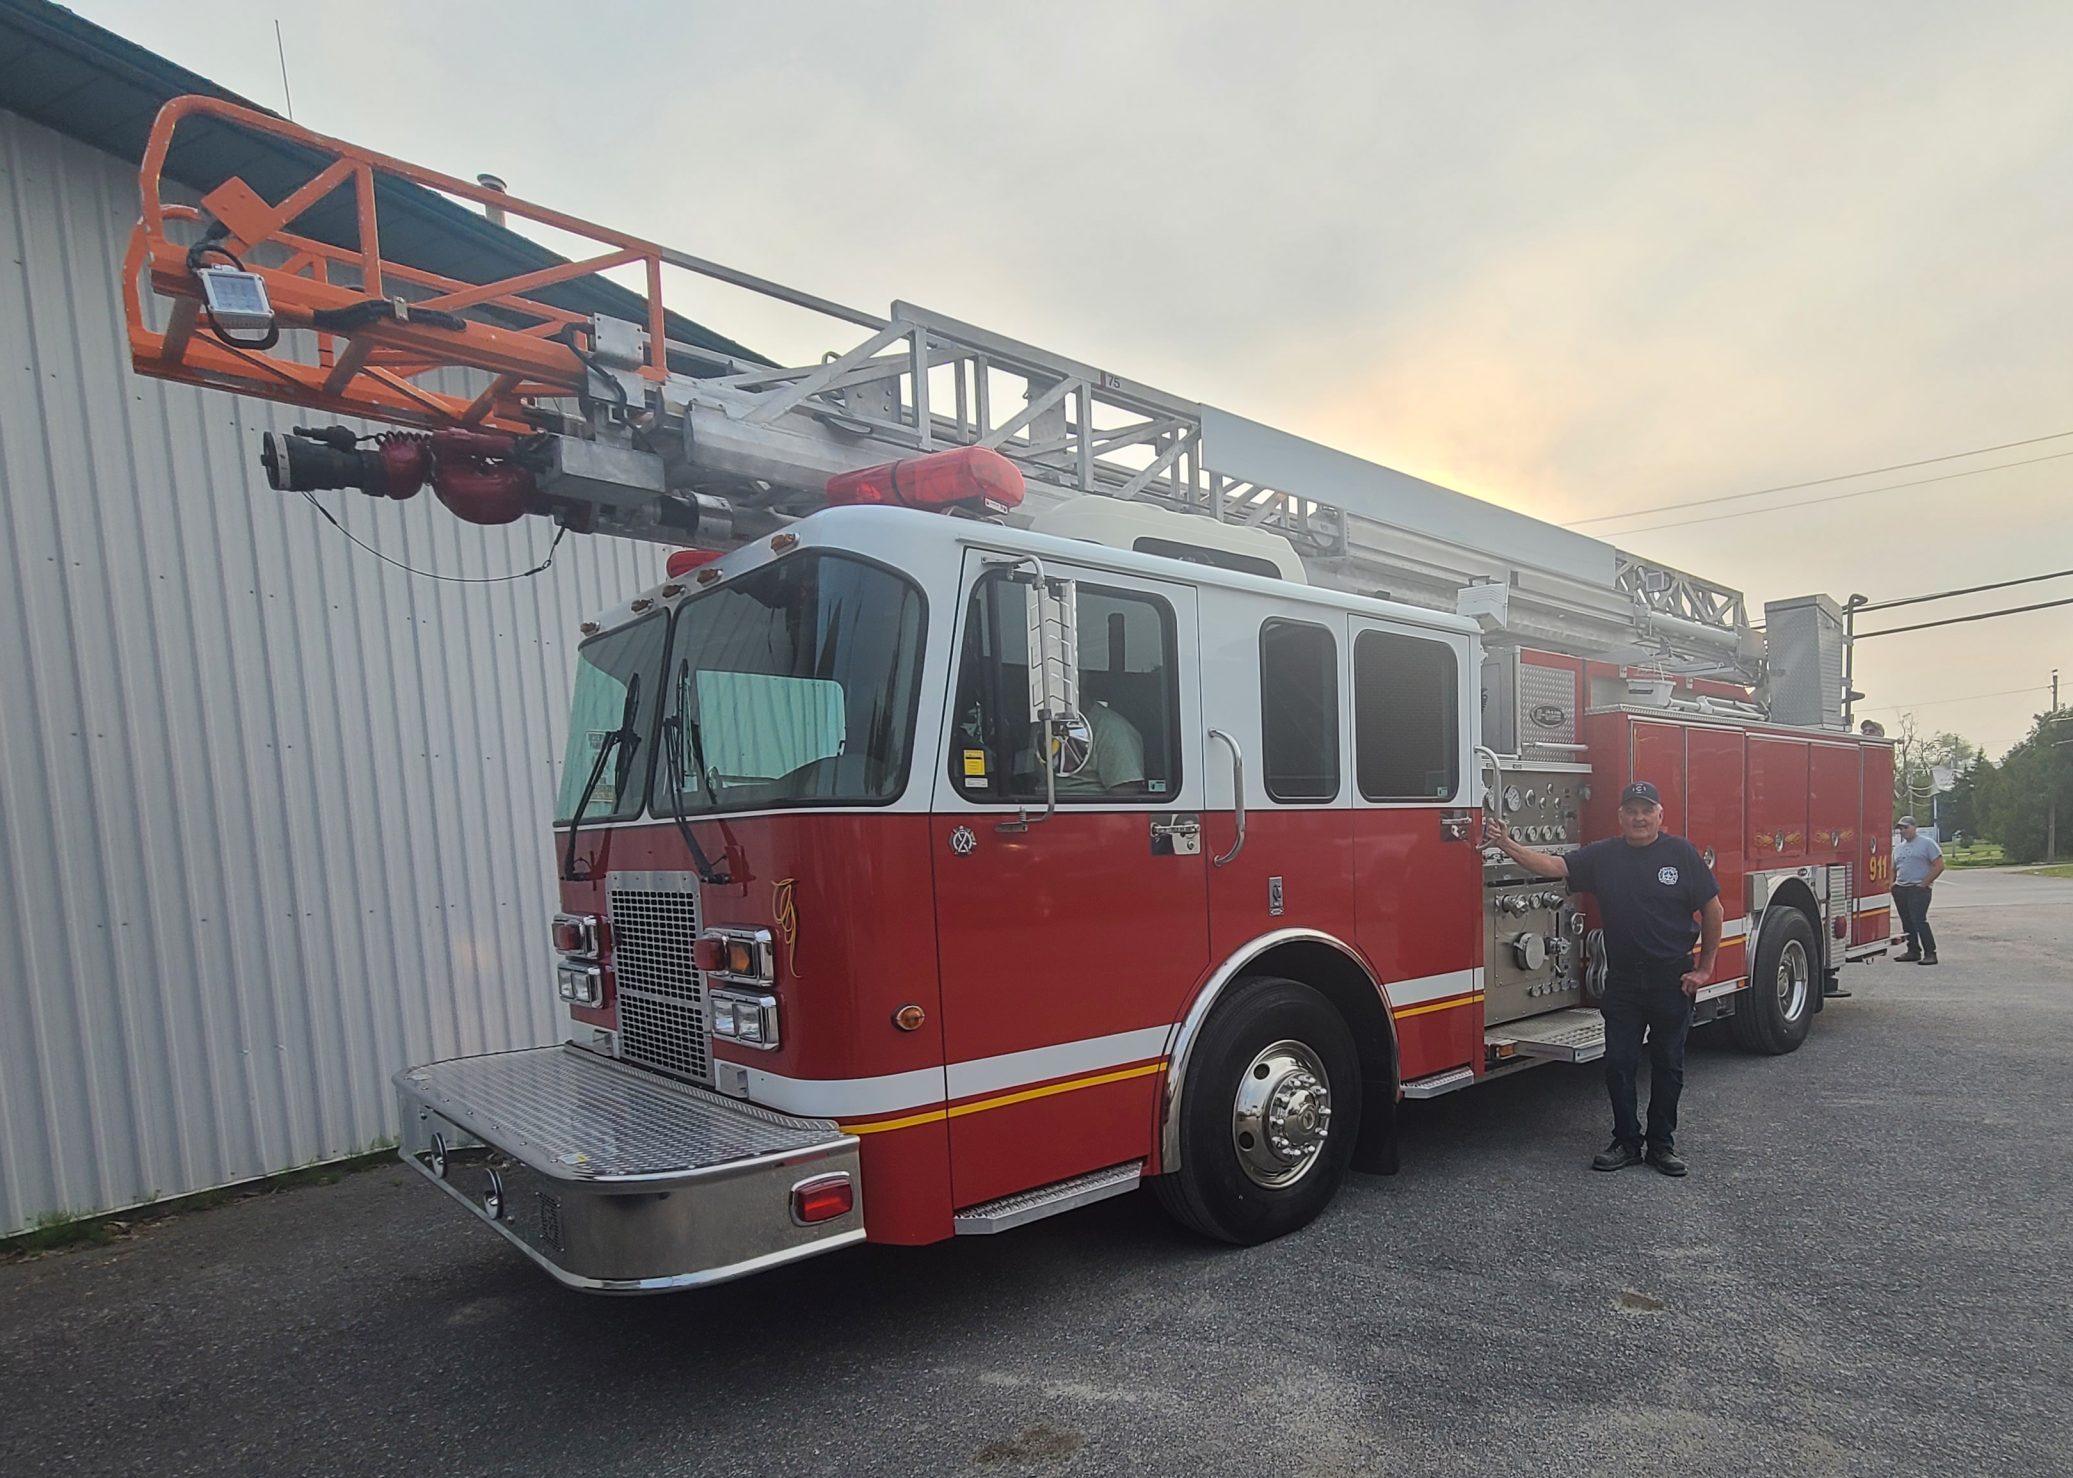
column 1439, row 1083
column 1048, row 1200
column 1574, row 1035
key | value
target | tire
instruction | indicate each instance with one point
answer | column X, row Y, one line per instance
column 1272, row 1055
column 1773, row 1015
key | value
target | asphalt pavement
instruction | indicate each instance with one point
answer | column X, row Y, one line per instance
column 1869, row 1271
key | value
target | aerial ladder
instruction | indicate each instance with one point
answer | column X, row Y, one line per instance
column 623, row 425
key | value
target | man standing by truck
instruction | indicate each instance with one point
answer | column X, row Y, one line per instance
column 1657, row 899
column 1917, row 864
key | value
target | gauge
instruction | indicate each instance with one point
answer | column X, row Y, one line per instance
column 1512, row 799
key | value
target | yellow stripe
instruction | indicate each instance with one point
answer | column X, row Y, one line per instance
column 1047, row 1091
column 1050, row 1088
column 907, row 1123
column 1437, row 1006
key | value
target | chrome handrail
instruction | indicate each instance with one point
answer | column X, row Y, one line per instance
column 1237, row 796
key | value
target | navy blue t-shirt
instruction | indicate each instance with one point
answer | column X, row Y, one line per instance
column 1646, row 896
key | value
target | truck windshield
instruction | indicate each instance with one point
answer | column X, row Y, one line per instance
column 794, row 685
column 607, row 668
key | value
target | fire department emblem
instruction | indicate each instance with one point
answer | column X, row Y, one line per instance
column 1666, row 876
column 963, row 841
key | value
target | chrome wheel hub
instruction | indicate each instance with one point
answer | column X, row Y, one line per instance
column 1794, row 977
column 1281, row 1115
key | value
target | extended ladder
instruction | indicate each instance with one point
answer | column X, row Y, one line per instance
column 632, row 428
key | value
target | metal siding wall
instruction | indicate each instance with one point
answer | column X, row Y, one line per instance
column 274, row 816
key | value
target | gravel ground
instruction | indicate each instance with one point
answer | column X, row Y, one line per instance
column 1868, row 1271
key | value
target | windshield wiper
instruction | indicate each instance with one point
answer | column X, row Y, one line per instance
column 674, row 731
column 622, row 738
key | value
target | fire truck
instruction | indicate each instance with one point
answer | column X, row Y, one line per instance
column 1026, row 784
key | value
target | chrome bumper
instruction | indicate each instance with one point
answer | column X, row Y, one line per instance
column 616, row 1180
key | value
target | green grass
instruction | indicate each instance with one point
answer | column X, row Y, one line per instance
column 2057, row 870
column 1978, row 854
column 60, row 1229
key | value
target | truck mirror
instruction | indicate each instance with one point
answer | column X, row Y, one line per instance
column 1052, row 609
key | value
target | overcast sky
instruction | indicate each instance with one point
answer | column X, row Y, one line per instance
column 1577, row 259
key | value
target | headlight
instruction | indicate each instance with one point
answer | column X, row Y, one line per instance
column 581, row 985
column 749, row 1020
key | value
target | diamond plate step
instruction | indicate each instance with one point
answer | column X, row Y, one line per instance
column 574, row 1115
column 1574, row 1035
column 1439, row 1083
column 1049, row 1200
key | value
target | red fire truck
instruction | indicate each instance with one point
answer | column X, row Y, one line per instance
column 1025, row 784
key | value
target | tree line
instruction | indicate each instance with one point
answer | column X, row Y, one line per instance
column 2009, row 801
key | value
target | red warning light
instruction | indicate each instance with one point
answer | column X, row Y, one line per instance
column 684, row 561
column 973, row 479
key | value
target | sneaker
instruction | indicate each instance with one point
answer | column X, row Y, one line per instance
column 1616, row 1156
column 1912, row 957
column 1929, row 959
column 1668, row 1161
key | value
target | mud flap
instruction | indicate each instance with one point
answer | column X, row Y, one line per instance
column 1375, row 1153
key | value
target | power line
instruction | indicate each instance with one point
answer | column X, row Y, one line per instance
column 1787, row 487
column 2043, row 605
column 1889, row 487
column 1915, row 600
column 1961, row 698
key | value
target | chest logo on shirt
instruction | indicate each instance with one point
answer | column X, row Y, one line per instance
column 1666, row 875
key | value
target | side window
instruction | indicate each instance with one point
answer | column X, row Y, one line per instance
column 1405, row 717
column 1128, row 693
column 1299, row 711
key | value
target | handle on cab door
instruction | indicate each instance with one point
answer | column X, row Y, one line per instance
column 1237, row 796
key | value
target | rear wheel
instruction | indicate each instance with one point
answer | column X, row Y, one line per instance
column 1773, row 1015
column 1271, row 1103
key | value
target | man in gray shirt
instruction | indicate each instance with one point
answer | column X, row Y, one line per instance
column 1917, row 864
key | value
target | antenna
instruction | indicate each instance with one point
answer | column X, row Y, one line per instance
column 281, row 50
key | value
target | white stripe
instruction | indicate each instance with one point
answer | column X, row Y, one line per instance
column 1720, row 988
column 1876, row 901
column 836, row 1098
column 1039, row 1064
column 1434, row 987
column 1734, row 928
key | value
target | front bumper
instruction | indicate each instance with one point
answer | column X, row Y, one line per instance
column 616, row 1180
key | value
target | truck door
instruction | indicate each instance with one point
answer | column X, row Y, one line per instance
column 1416, row 862
column 1066, row 946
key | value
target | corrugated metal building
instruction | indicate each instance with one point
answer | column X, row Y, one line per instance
column 274, row 816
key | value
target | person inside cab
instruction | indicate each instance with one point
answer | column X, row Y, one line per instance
column 1115, row 756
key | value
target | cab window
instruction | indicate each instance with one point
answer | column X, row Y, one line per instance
column 1128, row 695
column 1406, row 722
column 1299, row 711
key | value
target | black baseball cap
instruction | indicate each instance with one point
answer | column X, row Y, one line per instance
column 1641, row 790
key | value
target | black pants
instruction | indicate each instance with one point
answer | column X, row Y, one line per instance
column 1647, row 998
column 1912, row 904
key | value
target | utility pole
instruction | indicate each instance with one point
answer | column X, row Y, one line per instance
column 2051, row 789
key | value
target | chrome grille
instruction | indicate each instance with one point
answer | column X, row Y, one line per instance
column 663, row 1021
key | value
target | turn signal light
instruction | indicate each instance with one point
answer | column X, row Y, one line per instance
column 726, row 956
column 823, row 1198
column 575, row 933
column 737, row 954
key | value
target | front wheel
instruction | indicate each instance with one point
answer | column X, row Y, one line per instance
column 1773, row 1015
column 1268, row 1114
